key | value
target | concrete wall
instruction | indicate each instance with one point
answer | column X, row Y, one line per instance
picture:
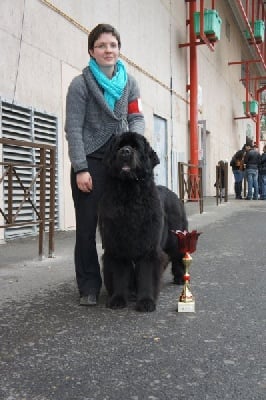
column 42, row 49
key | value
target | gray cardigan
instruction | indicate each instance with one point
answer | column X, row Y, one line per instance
column 90, row 122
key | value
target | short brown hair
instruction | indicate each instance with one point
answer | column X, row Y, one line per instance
column 98, row 30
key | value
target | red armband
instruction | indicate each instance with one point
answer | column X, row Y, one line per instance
column 135, row 106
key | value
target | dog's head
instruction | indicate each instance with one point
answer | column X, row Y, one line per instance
column 130, row 157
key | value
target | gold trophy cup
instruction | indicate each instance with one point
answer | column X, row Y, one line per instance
column 187, row 242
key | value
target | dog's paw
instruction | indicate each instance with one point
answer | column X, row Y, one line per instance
column 146, row 305
column 132, row 296
column 117, row 302
column 178, row 280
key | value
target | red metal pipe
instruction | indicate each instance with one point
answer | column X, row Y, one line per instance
column 247, row 87
column 258, row 93
column 252, row 14
column 193, row 91
column 247, row 81
column 257, row 98
column 245, row 16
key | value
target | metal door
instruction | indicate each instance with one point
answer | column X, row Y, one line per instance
column 202, row 141
column 160, row 146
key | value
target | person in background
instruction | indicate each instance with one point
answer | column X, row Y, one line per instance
column 101, row 102
column 262, row 174
column 255, row 146
column 252, row 160
column 237, row 164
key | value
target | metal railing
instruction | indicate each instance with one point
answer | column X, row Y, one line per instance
column 190, row 183
column 42, row 176
column 221, row 182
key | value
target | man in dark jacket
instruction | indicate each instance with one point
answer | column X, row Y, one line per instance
column 262, row 174
column 252, row 160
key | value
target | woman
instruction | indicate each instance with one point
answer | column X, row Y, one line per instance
column 237, row 164
column 101, row 102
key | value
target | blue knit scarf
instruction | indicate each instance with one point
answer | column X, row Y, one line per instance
column 113, row 88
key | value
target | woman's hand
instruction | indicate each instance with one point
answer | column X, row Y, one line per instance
column 84, row 181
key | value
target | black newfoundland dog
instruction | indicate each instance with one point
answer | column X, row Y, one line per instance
column 135, row 219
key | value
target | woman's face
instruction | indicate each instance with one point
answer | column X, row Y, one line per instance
column 105, row 50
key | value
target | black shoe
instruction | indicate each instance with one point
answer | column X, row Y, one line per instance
column 247, row 198
column 90, row 300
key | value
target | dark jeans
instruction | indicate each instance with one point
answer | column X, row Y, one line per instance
column 263, row 187
column 238, row 175
column 252, row 178
column 86, row 204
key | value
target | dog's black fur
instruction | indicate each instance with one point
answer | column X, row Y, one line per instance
column 135, row 219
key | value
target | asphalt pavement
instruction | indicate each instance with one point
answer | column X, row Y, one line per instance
column 53, row 349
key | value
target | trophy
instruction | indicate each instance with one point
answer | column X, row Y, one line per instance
column 187, row 243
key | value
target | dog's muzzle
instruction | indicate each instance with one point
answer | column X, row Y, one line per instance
column 126, row 152
column 127, row 159
column 125, row 155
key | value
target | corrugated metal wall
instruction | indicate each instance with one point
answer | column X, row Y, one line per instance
column 28, row 124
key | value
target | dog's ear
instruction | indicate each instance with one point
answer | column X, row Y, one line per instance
column 154, row 158
column 152, row 154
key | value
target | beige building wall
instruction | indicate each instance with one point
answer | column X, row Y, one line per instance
column 44, row 45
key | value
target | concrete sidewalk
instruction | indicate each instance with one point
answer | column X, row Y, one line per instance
column 21, row 271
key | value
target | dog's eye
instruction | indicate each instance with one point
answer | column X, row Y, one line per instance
column 129, row 143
